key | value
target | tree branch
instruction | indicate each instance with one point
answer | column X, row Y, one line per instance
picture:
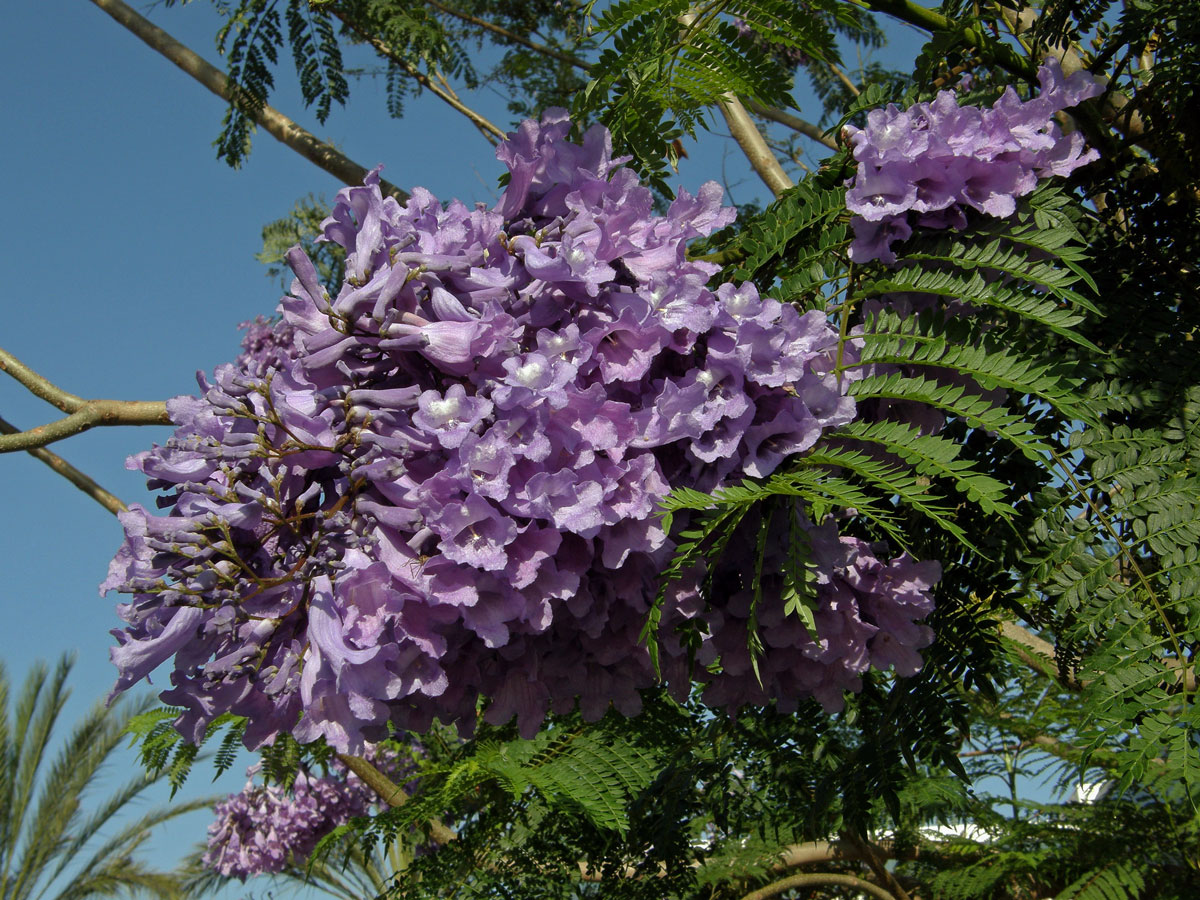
column 93, row 413
column 1037, row 654
column 279, row 126
column 814, row 851
column 487, row 128
column 83, row 414
column 932, row 20
column 803, row 126
column 844, row 79
column 745, row 132
column 391, row 793
column 796, row 855
column 39, row 385
column 875, row 861
column 82, row 481
column 512, row 36
column 816, row 880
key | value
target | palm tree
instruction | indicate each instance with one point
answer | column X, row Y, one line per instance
column 347, row 873
column 54, row 844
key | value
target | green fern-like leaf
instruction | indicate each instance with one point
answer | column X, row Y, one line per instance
column 1115, row 880
column 667, row 63
column 163, row 748
column 318, row 57
column 958, row 401
column 962, row 347
column 935, row 457
column 250, row 39
column 891, row 480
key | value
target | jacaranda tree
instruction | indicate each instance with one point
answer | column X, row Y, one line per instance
column 731, row 549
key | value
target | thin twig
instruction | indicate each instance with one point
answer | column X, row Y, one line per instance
column 844, row 79
column 818, row 879
column 551, row 52
column 803, row 126
column 84, row 482
column 486, row 128
column 279, row 126
column 391, row 793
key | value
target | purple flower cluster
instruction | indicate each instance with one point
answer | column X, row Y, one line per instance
column 264, row 828
column 936, row 160
column 442, row 483
column 868, row 612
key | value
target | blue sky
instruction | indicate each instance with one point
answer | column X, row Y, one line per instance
column 129, row 254
column 129, row 260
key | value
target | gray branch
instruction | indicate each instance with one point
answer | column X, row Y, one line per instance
column 819, row 879
column 391, row 793
column 39, row 385
column 279, row 126
column 82, row 414
column 803, row 126
column 81, row 480
column 761, row 157
column 745, row 132
column 93, row 413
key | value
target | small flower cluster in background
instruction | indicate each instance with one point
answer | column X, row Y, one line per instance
column 926, row 165
column 265, row 828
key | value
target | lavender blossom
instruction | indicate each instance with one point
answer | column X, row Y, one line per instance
column 867, row 613
column 938, row 160
column 263, row 829
column 441, row 484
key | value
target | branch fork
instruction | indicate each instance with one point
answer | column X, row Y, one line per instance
column 82, row 414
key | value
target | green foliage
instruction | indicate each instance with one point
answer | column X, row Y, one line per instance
column 302, row 226
column 318, row 58
column 1123, row 575
column 576, row 770
column 532, row 79
column 412, row 40
column 164, row 751
column 669, row 61
column 1111, row 844
column 250, row 38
